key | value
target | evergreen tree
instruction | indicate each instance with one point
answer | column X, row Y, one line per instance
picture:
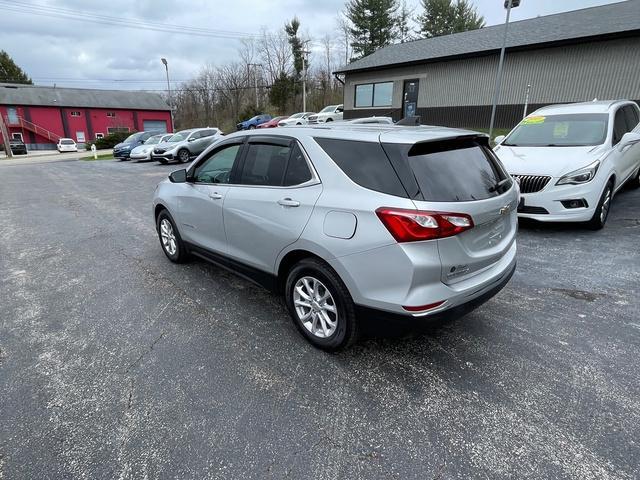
column 442, row 17
column 281, row 91
column 10, row 72
column 297, row 52
column 373, row 25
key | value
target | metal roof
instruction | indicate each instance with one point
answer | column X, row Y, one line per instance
column 17, row 94
column 616, row 18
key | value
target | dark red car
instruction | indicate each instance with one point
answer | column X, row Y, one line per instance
column 273, row 123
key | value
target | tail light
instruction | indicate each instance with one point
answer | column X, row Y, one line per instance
column 417, row 225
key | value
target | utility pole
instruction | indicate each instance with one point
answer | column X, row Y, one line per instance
column 255, row 80
column 5, row 138
column 166, row 67
column 508, row 4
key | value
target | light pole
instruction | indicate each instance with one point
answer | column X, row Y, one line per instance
column 305, row 61
column 508, row 4
column 166, row 67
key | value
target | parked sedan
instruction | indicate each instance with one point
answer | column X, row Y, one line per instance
column 143, row 152
column 123, row 150
column 301, row 118
column 253, row 122
column 17, row 146
column 570, row 160
column 66, row 145
column 185, row 145
column 273, row 123
column 299, row 211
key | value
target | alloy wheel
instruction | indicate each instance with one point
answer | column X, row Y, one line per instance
column 184, row 156
column 315, row 307
column 168, row 237
column 606, row 202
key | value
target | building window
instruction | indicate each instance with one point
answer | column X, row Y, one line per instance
column 111, row 114
column 374, row 95
column 117, row 129
column 99, row 135
column 75, row 114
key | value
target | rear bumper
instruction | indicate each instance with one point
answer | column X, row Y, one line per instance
column 414, row 280
column 448, row 314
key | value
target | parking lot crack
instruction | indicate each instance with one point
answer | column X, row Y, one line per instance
column 145, row 353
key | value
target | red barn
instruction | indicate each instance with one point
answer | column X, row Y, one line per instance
column 41, row 115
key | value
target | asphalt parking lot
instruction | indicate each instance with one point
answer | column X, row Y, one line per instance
column 115, row 363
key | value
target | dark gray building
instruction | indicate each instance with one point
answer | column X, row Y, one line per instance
column 568, row 57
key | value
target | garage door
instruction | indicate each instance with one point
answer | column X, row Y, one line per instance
column 159, row 126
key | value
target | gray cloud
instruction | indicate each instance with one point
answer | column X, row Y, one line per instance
column 76, row 53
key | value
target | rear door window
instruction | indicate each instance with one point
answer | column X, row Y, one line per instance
column 264, row 164
column 456, row 172
column 365, row 163
column 297, row 170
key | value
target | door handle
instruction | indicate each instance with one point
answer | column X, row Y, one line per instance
column 287, row 202
column 215, row 196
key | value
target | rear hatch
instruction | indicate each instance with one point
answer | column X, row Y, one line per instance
column 461, row 176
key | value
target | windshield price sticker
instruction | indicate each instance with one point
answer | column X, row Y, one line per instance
column 536, row 120
column 561, row 130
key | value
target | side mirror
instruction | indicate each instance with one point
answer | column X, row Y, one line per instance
column 179, row 176
column 499, row 139
column 629, row 139
column 191, row 139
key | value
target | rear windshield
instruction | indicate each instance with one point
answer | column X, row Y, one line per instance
column 571, row 130
column 452, row 174
column 66, row 142
column 365, row 163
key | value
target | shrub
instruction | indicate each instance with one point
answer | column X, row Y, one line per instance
column 109, row 141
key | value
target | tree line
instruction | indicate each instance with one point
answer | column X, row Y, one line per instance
column 269, row 71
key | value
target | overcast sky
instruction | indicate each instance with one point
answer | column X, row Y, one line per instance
column 83, row 53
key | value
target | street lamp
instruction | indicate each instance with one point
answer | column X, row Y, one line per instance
column 166, row 67
column 508, row 4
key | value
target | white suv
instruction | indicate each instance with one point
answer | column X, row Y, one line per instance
column 328, row 114
column 571, row 159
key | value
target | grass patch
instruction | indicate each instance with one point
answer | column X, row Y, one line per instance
column 103, row 156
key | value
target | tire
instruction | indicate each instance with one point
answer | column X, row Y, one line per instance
column 329, row 120
column 252, row 127
column 601, row 214
column 298, row 123
column 183, row 155
column 344, row 330
column 175, row 251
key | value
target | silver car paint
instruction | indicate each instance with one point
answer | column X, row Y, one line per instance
column 378, row 271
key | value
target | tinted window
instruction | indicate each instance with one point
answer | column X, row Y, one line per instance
column 264, row 165
column 456, row 175
column 559, row 130
column 297, row 170
column 631, row 117
column 217, row 168
column 619, row 126
column 365, row 163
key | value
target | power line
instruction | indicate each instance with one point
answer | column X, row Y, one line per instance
column 44, row 10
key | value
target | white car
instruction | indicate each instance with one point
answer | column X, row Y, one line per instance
column 142, row 152
column 300, row 118
column 570, row 160
column 328, row 114
column 66, row 145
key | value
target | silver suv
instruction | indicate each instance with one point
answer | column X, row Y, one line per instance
column 349, row 221
column 185, row 145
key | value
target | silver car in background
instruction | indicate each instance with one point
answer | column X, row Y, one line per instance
column 349, row 221
column 185, row 145
column 142, row 152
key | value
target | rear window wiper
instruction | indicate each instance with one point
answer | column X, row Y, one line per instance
column 499, row 185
